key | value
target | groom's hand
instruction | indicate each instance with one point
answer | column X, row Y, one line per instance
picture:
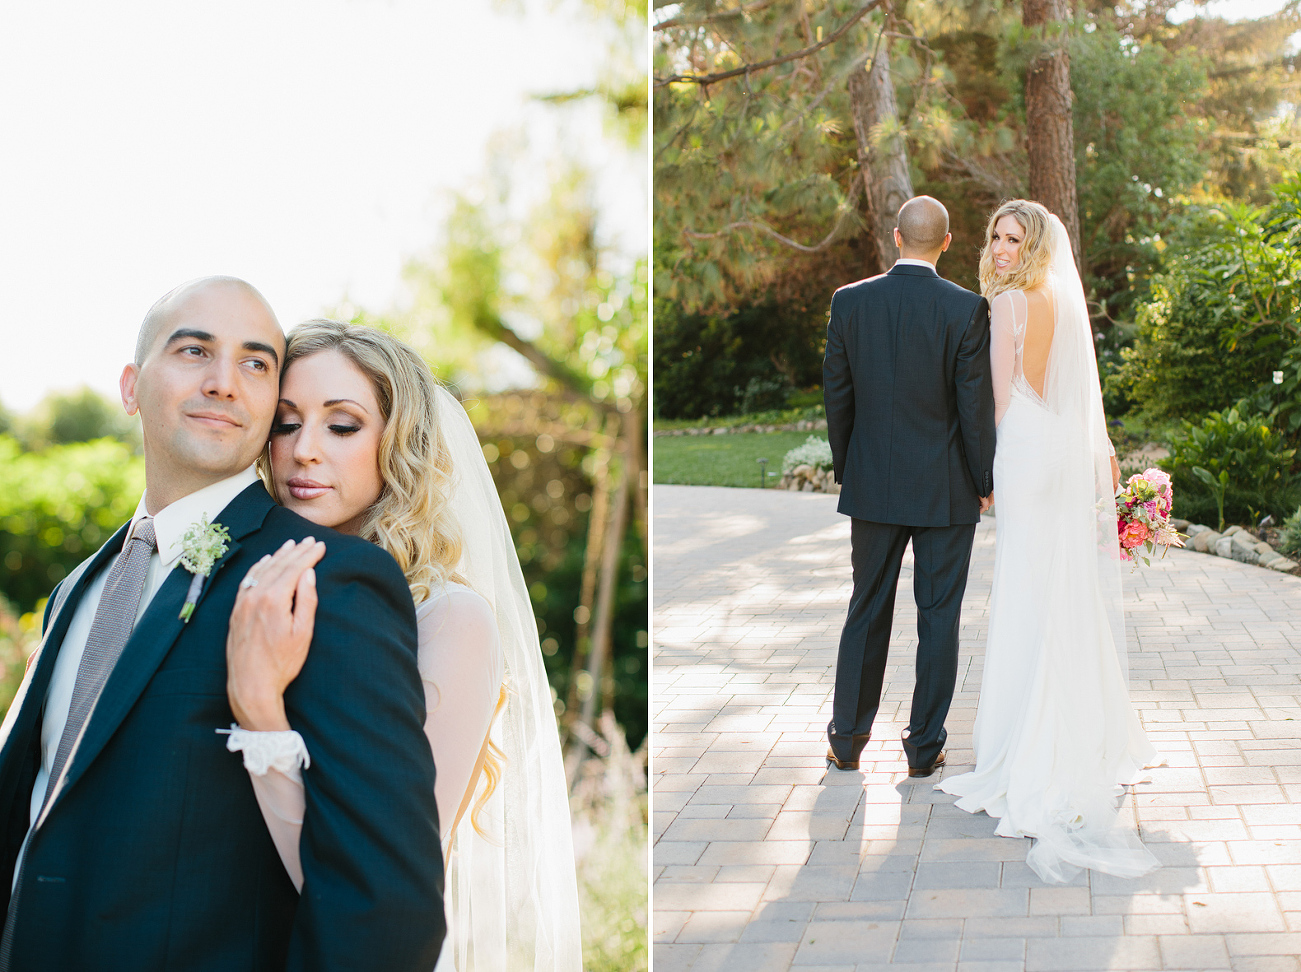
column 986, row 503
column 270, row 631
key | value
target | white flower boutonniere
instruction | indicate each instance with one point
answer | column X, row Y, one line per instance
column 202, row 546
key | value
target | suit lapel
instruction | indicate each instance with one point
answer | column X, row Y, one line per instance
column 29, row 701
column 153, row 637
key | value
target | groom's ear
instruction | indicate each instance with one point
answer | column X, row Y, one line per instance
column 948, row 238
column 127, row 383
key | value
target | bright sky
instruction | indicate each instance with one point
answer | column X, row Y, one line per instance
column 305, row 145
column 1228, row 9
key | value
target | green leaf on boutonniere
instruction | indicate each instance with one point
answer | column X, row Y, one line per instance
column 202, row 546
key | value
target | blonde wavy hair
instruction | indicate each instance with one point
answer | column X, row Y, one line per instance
column 1036, row 253
column 412, row 518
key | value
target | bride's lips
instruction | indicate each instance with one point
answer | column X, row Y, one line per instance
column 305, row 489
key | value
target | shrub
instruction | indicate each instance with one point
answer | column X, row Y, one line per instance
column 708, row 364
column 765, row 394
column 1290, row 539
column 815, row 452
column 1244, row 447
column 56, row 507
column 1221, row 314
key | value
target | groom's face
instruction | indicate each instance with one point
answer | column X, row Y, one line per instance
column 207, row 387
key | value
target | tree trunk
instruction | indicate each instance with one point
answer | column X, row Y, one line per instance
column 882, row 161
column 1048, row 122
column 603, row 616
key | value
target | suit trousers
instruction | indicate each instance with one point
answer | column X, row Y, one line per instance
column 942, row 556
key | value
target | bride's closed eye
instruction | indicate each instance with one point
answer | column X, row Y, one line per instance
column 285, row 428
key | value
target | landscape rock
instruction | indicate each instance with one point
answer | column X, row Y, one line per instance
column 1204, row 541
column 1263, row 548
column 1224, row 547
column 1183, row 526
column 1242, row 547
column 1232, row 530
column 807, row 487
column 1282, row 564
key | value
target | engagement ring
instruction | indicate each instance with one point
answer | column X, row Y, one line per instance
column 247, row 583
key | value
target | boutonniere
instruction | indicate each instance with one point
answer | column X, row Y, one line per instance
column 202, row 546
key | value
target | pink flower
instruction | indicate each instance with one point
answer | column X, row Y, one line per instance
column 1135, row 534
column 1157, row 478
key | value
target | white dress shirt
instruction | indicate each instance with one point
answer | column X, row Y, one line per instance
column 910, row 262
column 170, row 526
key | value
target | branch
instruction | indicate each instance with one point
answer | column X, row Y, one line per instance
column 771, row 62
column 714, row 17
column 575, row 383
column 759, row 226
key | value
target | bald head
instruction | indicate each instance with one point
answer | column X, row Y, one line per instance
column 923, row 225
column 169, row 306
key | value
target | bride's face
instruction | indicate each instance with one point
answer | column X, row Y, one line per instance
column 1006, row 244
column 325, row 441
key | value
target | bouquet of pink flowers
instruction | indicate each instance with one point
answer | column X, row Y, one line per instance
column 1143, row 516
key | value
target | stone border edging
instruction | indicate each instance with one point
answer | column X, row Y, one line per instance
column 806, row 425
column 1234, row 543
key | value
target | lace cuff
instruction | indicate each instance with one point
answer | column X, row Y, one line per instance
column 263, row 751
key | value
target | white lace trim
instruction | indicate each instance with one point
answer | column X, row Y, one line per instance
column 263, row 751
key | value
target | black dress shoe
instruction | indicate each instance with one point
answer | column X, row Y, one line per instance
column 920, row 771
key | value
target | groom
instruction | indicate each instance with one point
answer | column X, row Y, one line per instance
column 910, row 417
column 129, row 837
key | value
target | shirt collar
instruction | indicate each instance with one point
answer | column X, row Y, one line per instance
column 171, row 522
column 910, row 262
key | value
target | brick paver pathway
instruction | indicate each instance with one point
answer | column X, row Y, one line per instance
column 765, row 860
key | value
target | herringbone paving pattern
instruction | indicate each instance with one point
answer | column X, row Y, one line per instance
column 765, row 860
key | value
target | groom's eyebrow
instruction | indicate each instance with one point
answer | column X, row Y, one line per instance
column 264, row 348
column 190, row 334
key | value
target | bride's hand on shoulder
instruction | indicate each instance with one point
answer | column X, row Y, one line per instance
column 270, row 631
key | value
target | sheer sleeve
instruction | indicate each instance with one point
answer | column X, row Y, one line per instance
column 282, row 801
column 461, row 666
column 1002, row 351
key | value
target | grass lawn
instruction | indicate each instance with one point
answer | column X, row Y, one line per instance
column 723, row 460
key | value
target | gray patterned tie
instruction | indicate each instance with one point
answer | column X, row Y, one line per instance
column 114, row 618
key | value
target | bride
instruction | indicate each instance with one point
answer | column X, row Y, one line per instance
column 365, row 441
column 1055, row 737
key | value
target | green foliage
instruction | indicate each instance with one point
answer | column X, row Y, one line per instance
column 1238, row 455
column 609, row 807
column 1222, row 312
column 815, row 452
column 80, row 416
column 19, row 637
column 705, row 363
column 1290, row 540
column 1137, row 150
column 545, row 485
column 57, row 506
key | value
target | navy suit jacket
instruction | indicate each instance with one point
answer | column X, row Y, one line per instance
column 909, row 399
column 153, row 854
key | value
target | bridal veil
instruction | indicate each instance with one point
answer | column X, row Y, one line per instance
column 512, row 896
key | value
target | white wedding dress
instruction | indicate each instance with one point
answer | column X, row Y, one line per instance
column 1056, row 737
